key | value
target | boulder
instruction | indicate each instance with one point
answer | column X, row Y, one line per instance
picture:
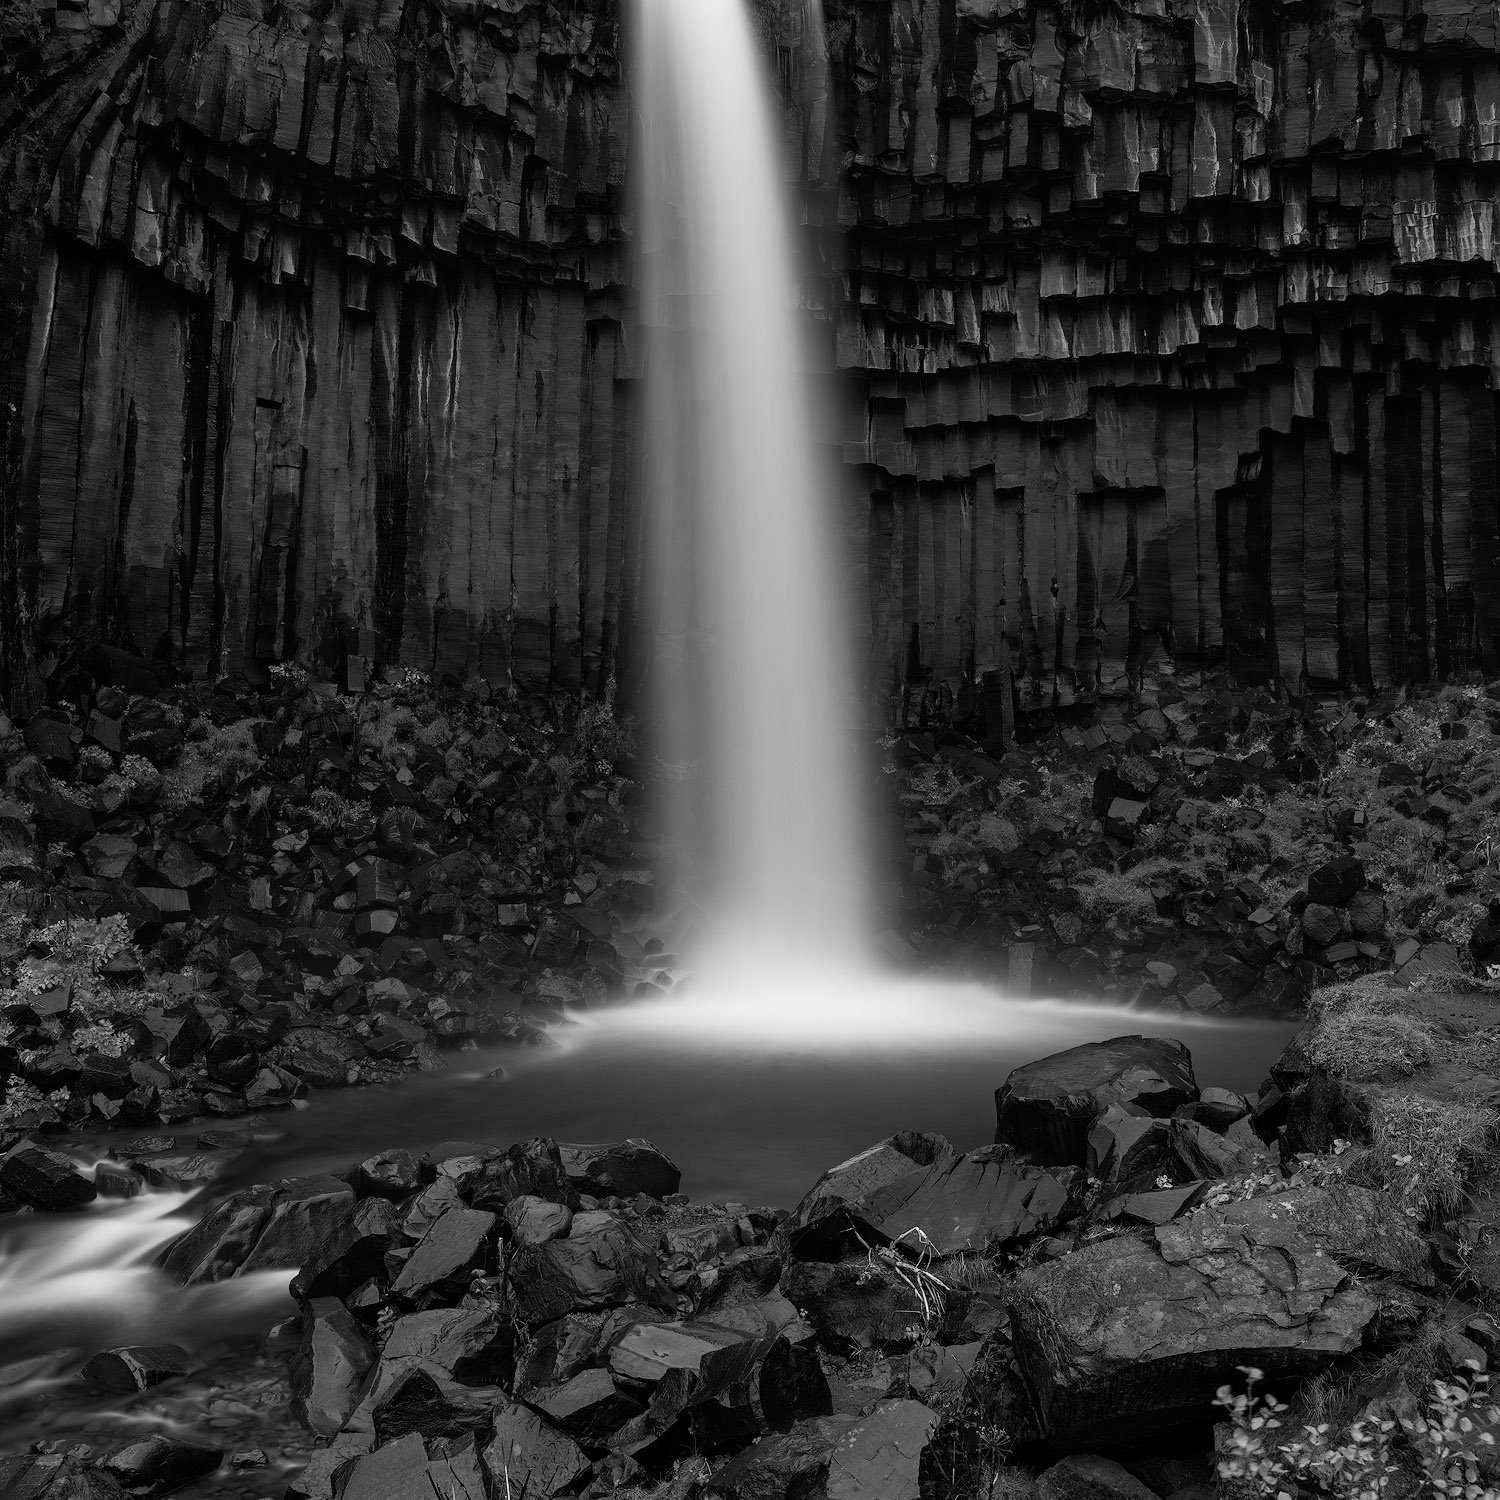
column 470, row 1343
column 137, row 1367
column 600, row 1264
column 1124, row 1340
column 55, row 1476
column 415, row 1399
column 306, row 1213
column 1336, row 882
column 43, row 1178
column 328, row 1372
column 526, row 1455
column 967, row 1205
column 158, row 1465
column 394, row 1175
column 620, row 1170
column 455, row 1244
column 821, row 1220
column 1087, row 1476
column 352, row 1254
column 532, row 1167
column 880, row 1456
column 1045, row 1108
column 534, row 1221
column 216, row 1247
column 589, row 1408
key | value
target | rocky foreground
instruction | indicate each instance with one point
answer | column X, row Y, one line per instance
column 1052, row 1315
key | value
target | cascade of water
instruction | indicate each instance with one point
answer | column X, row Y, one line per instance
column 750, row 654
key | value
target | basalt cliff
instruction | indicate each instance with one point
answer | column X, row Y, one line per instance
column 1156, row 333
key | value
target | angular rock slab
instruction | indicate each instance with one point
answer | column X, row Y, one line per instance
column 600, row 1265
column 621, row 1169
column 784, row 1466
column 328, row 1372
column 1125, row 1340
column 44, row 1178
column 821, row 1216
column 1045, row 1108
column 975, row 1203
column 527, row 1456
column 879, row 1458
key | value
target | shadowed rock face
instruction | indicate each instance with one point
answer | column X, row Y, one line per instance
column 1167, row 328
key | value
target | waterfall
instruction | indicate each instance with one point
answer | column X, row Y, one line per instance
column 750, row 653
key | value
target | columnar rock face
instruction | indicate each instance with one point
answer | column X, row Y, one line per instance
column 1160, row 331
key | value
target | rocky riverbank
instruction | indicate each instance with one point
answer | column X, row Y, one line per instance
column 210, row 902
column 1052, row 1315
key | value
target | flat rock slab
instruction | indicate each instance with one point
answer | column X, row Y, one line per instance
column 455, row 1243
column 821, row 1214
column 975, row 1203
column 1125, row 1339
column 1086, row 1476
column 1045, row 1108
column 783, row 1465
column 880, row 1456
column 527, row 1456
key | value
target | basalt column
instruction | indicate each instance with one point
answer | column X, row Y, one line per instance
column 1162, row 331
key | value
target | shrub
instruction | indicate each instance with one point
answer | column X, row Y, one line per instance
column 1431, row 1451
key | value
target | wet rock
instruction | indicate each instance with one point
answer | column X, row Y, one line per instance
column 822, row 1218
column 158, row 1465
column 55, row 1476
column 415, row 1399
column 394, row 1175
column 111, row 1181
column 305, row 1214
column 589, row 1407
column 1217, row 1108
column 1045, row 1108
column 136, row 1367
column 179, row 1172
column 1086, row 1476
column 352, row 1254
column 600, row 1264
column 620, row 1170
column 327, row 1375
column 1120, row 1339
column 971, row 1204
column 216, row 1247
column 471, row 1343
column 44, row 1178
column 397, row 1471
column 533, row 1168
column 534, row 1221
column 456, row 1244
column 526, row 1455
column 880, row 1456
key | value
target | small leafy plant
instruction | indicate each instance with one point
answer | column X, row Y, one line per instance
column 1436, row 1445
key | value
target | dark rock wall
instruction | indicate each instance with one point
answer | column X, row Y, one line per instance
column 1159, row 333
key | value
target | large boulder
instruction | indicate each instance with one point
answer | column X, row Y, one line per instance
column 1045, row 1108
column 880, row 1456
column 970, row 1204
column 600, row 1264
column 822, row 1218
column 44, row 1178
column 620, row 1170
column 327, row 1373
column 1127, row 1340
